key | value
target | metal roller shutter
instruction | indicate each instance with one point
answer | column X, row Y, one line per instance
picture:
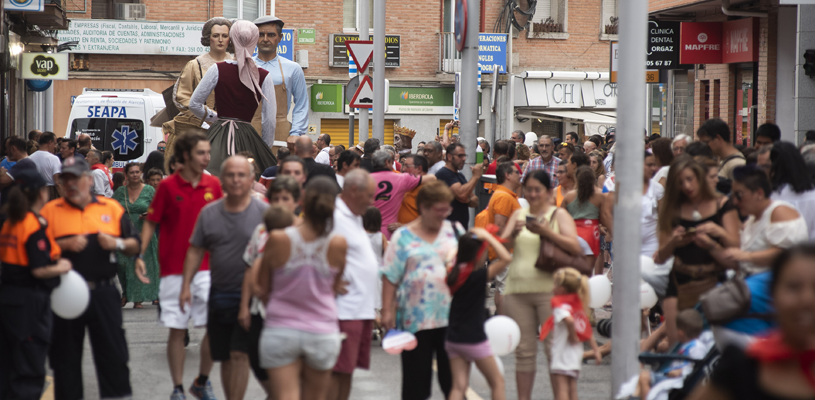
column 338, row 130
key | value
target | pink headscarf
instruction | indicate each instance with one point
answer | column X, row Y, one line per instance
column 244, row 36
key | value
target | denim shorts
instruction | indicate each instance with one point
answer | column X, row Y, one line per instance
column 282, row 346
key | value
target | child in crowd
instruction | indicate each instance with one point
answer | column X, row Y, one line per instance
column 570, row 327
column 466, row 340
column 372, row 222
column 689, row 325
column 276, row 217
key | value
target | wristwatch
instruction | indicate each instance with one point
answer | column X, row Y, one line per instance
column 140, row 256
column 120, row 244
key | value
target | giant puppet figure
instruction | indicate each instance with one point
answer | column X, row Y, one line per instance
column 239, row 86
column 215, row 34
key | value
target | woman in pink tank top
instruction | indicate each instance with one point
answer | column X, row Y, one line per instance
column 300, row 275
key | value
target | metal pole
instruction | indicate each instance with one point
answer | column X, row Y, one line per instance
column 364, row 33
column 510, row 89
column 628, row 164
column 379, row 71
column 468, row 112
column 351, row 130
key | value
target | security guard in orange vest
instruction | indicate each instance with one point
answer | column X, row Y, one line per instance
column 29, row 272
column 90, row 230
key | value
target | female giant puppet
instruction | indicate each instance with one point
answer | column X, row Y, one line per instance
column 239, row 86
column 215, row 34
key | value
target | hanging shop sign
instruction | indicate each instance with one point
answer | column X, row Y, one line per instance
column 326, row 98
column 663, row 45
column 47, row 66
column 701, row 43
column 101, row 36
column 415, row 100
column 740, row 40
column 338, row 53
column 492, row 50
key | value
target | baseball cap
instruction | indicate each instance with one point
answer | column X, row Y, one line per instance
column 27, row 177
column 269, row 19
column 75, row 166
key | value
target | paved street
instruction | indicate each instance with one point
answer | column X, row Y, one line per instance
column 150, row 376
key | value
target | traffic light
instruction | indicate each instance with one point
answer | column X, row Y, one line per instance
column 809, row 63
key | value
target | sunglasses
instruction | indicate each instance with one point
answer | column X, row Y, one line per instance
column 162, row 148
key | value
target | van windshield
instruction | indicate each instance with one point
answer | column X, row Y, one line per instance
column 122, row 137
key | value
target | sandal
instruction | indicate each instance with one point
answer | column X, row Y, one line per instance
column 137, row 305
column 155, row 302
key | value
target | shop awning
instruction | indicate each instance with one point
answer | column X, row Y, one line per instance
column 603, row 117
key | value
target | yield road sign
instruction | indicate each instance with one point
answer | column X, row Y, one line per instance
column 364, row 96
column 362, row 51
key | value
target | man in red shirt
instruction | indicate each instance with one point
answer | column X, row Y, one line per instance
column 176, row 205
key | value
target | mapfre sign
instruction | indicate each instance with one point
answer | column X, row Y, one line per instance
column 701, row 43
column 740, row 40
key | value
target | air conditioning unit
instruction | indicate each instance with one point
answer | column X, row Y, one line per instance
column 131, row 11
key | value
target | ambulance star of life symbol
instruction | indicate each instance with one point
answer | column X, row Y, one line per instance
column 124, row 140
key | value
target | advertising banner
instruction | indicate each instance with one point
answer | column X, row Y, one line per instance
column 740, row 40
column 701, row 43
column 48, row 66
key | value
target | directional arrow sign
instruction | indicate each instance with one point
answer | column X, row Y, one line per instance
column 364, row 96
column 362, row 51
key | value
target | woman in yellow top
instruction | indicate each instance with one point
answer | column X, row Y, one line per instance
column 527, row 298
column 29, row 275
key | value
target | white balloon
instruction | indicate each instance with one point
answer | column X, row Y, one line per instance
column 648, row 297
column 503, row 333
column 647, row 264
column 600, row 289
column 70, row 299
column 523, row 202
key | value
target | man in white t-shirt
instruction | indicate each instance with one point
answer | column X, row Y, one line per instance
column 47, row 163
column 323, row 146
column 355, row 309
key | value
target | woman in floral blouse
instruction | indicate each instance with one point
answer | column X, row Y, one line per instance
column 415, row 296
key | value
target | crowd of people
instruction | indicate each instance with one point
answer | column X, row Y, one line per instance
column 294, row 257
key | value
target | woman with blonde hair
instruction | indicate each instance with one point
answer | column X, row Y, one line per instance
column 690, row 215
column 570, row 327
column 524, row 155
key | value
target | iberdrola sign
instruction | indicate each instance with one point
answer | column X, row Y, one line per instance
column 403, row 100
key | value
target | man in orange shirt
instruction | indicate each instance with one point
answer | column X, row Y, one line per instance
column 503, row 203
column 415, row 165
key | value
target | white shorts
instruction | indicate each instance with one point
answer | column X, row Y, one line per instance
column 170, row 314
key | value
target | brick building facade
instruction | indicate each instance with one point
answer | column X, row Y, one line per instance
column 579, row 45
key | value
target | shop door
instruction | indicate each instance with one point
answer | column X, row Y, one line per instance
column 744, row 113
column 338, row 130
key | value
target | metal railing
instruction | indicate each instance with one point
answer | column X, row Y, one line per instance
column 449, row 57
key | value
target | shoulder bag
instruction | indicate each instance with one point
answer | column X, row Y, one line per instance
column 552, row 257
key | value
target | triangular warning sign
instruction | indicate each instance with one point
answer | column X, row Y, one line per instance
column 362, row 51
column 364, row 96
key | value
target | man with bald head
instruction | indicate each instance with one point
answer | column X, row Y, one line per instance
column 355, row 309
column 304, row 148
column 589, row 146
column 223, row 229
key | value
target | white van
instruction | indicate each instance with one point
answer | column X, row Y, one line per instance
column 118, row 120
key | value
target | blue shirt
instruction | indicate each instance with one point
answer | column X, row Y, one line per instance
column 295, row 87
column 760, row 303
column 7, row 164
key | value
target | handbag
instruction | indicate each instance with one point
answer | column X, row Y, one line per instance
column 726, row 302
column 551, row 257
